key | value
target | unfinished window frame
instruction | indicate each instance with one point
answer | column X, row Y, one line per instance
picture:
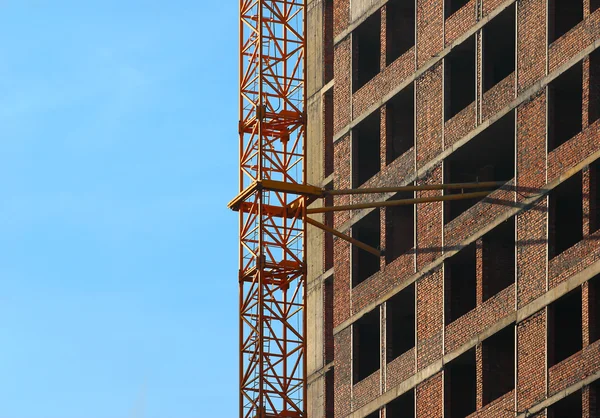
column 400, row 25
column 565, row 106
column 493, row 53
column 366, row 331
column 565, row 227
column 401, row 323
column 365, row 264
column 460, row 269
column 366, row 51
column 366, row 149
column 563, row 337
column 460, row 78
column 569, row 18
column 400, row 123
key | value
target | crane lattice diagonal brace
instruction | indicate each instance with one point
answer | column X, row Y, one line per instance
column 273, row 213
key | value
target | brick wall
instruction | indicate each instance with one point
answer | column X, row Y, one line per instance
column 522, row 198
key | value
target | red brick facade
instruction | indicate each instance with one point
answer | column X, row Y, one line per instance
column 523, row 307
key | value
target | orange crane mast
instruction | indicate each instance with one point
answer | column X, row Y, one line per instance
column 272, row 245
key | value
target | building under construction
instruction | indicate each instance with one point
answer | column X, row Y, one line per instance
column 475, row 307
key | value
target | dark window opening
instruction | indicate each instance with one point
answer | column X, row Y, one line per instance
column 460, row 386
column 400, row 122
column 329, row 394
column 566, row 215
column 400, row 323
column 365, row 359
column 563, row 15
column 366, row 141
column 487, row 157
column 594, row 309
column 594, row 215
column 565, row 336
column 459, row 78
column 400, row 228
column 373, row 415
column 498, row 259
column 569, row 407
column 499, row 48
column 365, row 264
column 595, row 392
column 594, row 99
column 460, row 281
column 328, row 40
column 565, row 104
column 366, row 50
column 328, row 314
column 402, row 407
column 328, row 131
column 400, row 27
column 328, row 237
column 452, row 6
column 498, row 355
column 594, row 5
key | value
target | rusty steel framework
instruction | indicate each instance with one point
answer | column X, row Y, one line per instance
column 272, row 245
column 273, row 213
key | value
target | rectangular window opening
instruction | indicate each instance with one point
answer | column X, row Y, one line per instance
column 565, row 104
column 460, row 282
column 400, row 123
column 594, row 198
column 460, row 398
column 366, row 359
column 373, row 415
column 400, row 323
column 403, row 406
column 566, row 215
column 400, row 228
column 459, row 79
column 329, row 394
column 366, row 51
column 569, row 407
column 328, row 131
column 594, row 86
column 498, row 355
column 498, row 259
column 487, row 157
column 499, row 48
column 594, row 5
column 366, row 161
column 563, row 15
column 594, row 309
column 328, row 314
column 400, row 27
column 453, row 6
column 565, row 336
column 365, row 264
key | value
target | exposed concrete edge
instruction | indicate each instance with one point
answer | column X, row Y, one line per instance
column 515, row 317
column 426, row 67
column 319, row 374
column 560, row 395
column 524, row 97
column 320, row 92
column 317, row 281
column 428, row 269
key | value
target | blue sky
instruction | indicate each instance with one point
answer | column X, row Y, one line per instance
column 118, row 154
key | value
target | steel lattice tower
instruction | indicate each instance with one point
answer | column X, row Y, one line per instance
column 272, row 231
